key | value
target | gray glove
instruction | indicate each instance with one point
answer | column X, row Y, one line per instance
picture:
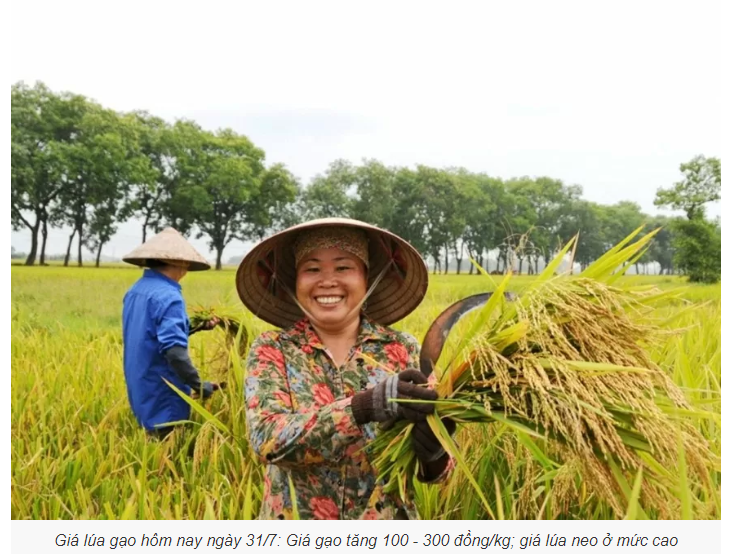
column 178, row 358
column 374, row 404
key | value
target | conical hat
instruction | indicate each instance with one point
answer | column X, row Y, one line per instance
column 168, row 245
column 266, row 277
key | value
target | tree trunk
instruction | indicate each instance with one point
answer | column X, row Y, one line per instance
column 79, row 248
column 220, row 251
column 44, row 238
column 446, row 261
column 145, row 228
column 457, row 255
column 519, row 271
column 99, row 254
column 68, row 249
column 31, row 259
column 436, row 262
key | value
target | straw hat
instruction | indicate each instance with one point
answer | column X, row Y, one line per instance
column 266, row 277
column 167, row 246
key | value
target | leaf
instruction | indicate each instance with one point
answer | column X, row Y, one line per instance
column 685, row 494
column 622, row 482
column 550, row 269
column 449, row 446
column 634, row 495
column 208, row 416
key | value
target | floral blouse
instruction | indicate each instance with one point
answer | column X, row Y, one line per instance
column 300, row 421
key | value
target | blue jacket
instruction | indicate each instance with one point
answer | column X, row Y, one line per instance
column 153, row 320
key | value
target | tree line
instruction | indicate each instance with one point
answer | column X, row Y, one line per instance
column 78, row 165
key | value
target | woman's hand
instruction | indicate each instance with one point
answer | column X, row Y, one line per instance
column 376, row 404
column 212, row 323
column 426, row 446
column 431, row 455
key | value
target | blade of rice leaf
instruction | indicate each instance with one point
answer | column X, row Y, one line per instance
column 203, row 412
column 634, row 495
column 449, row 446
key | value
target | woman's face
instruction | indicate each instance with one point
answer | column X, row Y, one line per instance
column 330, row 283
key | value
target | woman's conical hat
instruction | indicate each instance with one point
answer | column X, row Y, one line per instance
column 269, row 269
column 167, row 246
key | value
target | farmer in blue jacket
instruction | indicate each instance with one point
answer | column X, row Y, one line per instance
column 156, row 334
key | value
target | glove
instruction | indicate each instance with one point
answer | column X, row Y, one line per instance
column 426, row 446
column 431, row 455
column 374, row 404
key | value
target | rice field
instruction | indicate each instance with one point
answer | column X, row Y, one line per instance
column 77, row 452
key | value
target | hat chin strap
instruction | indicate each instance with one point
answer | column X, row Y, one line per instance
column 353, row 310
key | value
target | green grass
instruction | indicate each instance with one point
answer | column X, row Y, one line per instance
column 77, row 452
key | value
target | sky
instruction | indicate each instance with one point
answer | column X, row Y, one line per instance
column 612, row 96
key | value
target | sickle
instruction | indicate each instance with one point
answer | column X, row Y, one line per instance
column 439, row 330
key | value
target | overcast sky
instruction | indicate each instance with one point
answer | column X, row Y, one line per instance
column 612, row 96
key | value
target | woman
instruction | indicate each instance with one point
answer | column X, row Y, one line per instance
column 317, row 389
column 155, row 332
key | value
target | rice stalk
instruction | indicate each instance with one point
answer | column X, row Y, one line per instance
column 568, row 363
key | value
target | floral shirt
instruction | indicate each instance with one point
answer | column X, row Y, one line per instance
column 301, row 425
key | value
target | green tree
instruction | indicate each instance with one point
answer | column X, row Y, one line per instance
column 697, row 242
column 119, row 165
column 269, row 207
column 41, row 122
column 331, row 194
column 95, row 175
column 585, row 219
column 437, row 211
column 376, row 202
column 698, row 249
column 662, row 250
column 701, row 184
column 148, row 191
column 483, row 211
column 221, row 176
column 408, row 221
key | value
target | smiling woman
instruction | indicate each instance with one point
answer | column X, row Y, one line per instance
column 316, row 390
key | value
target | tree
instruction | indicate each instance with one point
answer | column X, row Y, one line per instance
column 149, row 190
column 268, row 208
column 698, row 249
column 119, row 164
column 221, row 175
column 587, row 220
column 329, row 195
column 662, row 250
column 701, row 184
column 41, row 121
column 95, row 170
column 697, row 242
column 436, row 206
column 376, row 201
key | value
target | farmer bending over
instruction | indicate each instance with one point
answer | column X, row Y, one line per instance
column 155, row 331
column 317, row 389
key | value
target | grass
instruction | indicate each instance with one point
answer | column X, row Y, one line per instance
column 77, row 452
